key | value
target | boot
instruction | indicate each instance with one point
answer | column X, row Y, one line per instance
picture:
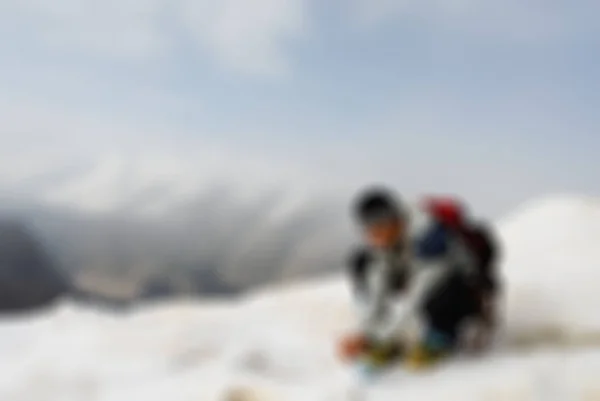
column 433, row 348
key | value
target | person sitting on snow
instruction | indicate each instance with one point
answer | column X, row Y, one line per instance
column 423, row 268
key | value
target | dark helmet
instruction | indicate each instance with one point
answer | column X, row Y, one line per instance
column 377, row 204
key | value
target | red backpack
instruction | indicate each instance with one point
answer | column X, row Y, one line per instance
column 452, row 214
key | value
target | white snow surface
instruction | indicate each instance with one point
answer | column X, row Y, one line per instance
column 278, row 344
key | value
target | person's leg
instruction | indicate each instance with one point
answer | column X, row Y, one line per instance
column 444, row 312
column 447, row 307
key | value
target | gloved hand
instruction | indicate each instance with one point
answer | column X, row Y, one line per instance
column 352, row 347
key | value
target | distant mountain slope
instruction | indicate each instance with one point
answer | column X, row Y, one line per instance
column 219, row 243
column 28, row 276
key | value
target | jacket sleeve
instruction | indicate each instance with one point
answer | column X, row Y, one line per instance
column 369, row 292
column 358, row 265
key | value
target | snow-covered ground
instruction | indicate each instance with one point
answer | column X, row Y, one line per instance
column 278, row 344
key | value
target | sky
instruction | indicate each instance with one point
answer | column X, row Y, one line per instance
column 103, row 101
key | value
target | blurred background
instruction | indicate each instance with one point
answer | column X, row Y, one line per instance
column 175, row 148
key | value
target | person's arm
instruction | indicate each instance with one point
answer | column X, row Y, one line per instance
column 370, row 293
column 359, row 263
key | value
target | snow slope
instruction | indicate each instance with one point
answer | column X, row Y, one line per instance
column 277, row 344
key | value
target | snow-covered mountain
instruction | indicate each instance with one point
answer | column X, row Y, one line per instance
column 277, row 344
column 218, row 243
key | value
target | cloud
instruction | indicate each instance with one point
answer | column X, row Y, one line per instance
column 248, row 36
column 251, row 35
column 105, row 162
column 98, row 161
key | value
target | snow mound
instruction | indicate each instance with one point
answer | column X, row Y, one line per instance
column 278, row 344
column 551, row 266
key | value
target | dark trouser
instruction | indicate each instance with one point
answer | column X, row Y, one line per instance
column 448, row 306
